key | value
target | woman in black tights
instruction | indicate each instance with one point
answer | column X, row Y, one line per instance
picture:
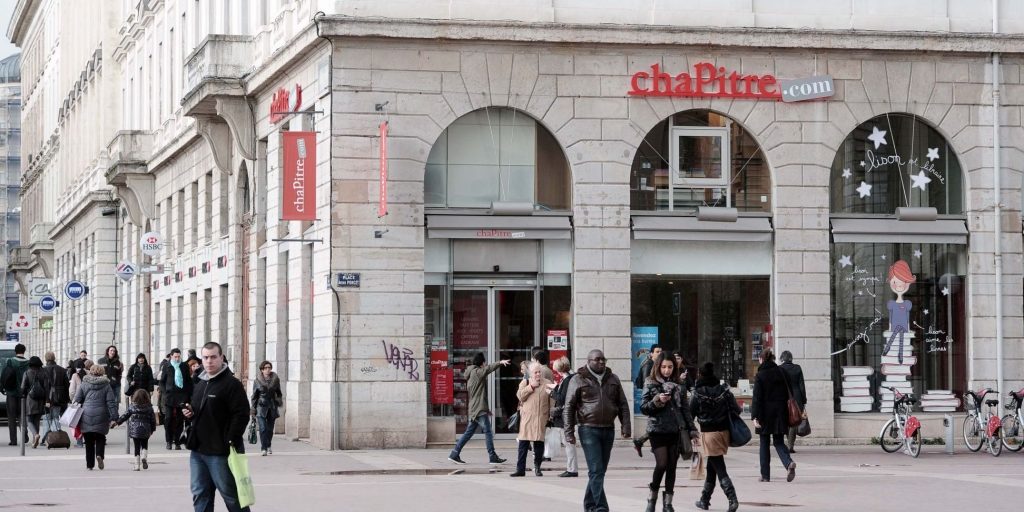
column 664, row 403
column 711, row 404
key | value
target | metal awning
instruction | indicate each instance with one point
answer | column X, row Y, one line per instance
column 942, row 231
column 745, row 229
column 499, row 227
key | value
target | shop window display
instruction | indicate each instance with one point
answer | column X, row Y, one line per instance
column 723, row 319
column 898, row 306
column 699, row 158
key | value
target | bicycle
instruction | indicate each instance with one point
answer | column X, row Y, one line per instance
column 979, row 430
column 1012, row 430
column 904, row 429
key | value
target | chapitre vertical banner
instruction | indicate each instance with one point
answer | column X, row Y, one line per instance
column 298, row 181
column 382, row 206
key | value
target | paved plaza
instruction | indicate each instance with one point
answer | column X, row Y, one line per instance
column 300, row 478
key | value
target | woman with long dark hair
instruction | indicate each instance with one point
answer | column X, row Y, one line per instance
column 664, row 403
column 711, row 404
column 266, row 402
column 140, row 376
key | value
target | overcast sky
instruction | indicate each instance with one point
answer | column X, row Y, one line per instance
column 6, row 8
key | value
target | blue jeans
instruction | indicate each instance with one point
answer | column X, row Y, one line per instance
column 767, row 441
column 266, row 428
column 482, row 421
column 597, row 448
column 210, row 472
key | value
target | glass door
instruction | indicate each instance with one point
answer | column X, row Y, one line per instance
column 470, row 334
column 515, row 334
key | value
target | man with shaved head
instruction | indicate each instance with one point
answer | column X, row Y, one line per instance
column 594, row 399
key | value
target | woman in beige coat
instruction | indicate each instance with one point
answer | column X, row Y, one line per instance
column 534, row 406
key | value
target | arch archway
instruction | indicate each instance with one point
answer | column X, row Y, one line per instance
column 497, row 155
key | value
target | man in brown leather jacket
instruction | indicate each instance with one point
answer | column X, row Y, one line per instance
column 594, row 399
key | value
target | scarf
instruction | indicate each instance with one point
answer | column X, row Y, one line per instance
column 179, row 381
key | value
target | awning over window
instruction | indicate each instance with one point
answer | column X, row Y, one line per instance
column 499, row 227
column 745, row 229
column 942, row 231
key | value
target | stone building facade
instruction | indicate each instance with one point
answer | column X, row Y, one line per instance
column 544, row 189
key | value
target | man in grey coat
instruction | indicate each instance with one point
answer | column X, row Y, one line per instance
column 479, row 413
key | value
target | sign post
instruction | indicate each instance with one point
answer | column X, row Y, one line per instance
column 47, row 304
column 75, row 290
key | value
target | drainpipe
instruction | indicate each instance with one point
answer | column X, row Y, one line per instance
column 998, row 208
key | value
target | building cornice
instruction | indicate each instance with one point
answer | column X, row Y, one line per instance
column 93, row 197
column 653, row 35
column 21, row 20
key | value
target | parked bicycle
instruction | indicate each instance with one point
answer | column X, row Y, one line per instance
column 1012, row 430
column 982, row 429
column 904, row 429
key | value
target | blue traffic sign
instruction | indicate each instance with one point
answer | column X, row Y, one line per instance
column 75, row 290
column 47, row 304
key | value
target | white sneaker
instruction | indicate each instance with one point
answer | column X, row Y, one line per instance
column 270, row 451
column 263, row 453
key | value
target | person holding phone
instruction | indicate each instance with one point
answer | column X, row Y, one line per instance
column 176, row 389
column 664, row 403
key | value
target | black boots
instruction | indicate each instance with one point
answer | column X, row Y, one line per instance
column 704, row 502
column 666, row 502
column 536, row 470
column 730, row 492
column 652, row 498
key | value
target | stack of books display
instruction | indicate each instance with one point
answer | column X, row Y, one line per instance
column 894, row 373
column 939, row 400
column 856, row 395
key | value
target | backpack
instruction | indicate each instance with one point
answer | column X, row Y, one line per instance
column 37, row 391
column 9, row 378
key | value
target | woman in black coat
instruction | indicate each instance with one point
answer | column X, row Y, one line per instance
column 140, row 376
column 770, row 414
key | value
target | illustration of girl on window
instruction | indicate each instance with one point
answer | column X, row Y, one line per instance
column 900, row 279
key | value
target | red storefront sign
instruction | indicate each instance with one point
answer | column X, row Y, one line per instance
column 707, row 81
column 284, row 102
column 298, row 179
column 382, row 206
column 442, row 391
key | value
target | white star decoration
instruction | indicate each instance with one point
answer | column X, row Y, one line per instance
column 847, row 173
column 884, row 257
column 945, row 290
column 845, row 261
column 933, row 154
column 917, row 253
column 920, row 180
column 877, row 136
column 926, row 311
column 860, row 292
column 862, row 163
column 864, row 190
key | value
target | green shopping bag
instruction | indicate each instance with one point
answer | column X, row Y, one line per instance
column 239, row 466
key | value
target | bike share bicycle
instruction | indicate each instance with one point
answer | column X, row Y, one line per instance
column 979, row 430
column 1012, row 430
column 904, row 429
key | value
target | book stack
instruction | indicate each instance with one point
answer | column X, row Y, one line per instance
column 856, row 395
column 894, row 373
column 939, row 400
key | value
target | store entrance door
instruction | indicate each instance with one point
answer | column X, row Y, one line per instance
column 502, row 321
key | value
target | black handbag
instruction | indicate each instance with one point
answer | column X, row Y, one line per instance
column 513, row 422
column 739, row 433
column 804, row 429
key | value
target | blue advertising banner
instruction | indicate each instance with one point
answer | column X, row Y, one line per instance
column 643, row 338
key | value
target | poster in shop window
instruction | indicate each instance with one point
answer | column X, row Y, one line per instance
column 558, row 347
column 643, row 338
column 298, row 176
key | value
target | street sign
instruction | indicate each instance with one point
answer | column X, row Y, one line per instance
column 152, row 269
column 152, row 243
column 13, row 335
column 38, row 288
column 126, row 270
column 75, row 290
column 21, row 322
column 346, row 280
column 47, row 304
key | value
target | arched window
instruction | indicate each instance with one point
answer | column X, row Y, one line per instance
column 898, row 268
column 699, row 158
column 497, row 155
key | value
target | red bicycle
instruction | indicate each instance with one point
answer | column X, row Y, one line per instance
column 982, row 429
column 904, row 429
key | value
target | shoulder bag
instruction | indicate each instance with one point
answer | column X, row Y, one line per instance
column 793, row 414
column 739, row 432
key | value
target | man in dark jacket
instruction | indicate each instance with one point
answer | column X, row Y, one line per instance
column 219, row 412
column 175, row 392
column 12, row 375
column 479, row 414
column 59, row 393
column 594, row 399
column 795, row 376
column 771, row 414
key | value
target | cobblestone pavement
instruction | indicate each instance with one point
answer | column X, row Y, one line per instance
column 300, row 478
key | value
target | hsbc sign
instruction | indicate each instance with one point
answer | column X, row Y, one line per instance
column 152, row 244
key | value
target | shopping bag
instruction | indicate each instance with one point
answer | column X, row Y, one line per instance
column 71, row 416
column 685, row 445
column 239, row 466
column 804, row 429
column 76, row 432
column 697, row 471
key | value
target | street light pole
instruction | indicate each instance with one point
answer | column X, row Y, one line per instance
column 24, row 427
